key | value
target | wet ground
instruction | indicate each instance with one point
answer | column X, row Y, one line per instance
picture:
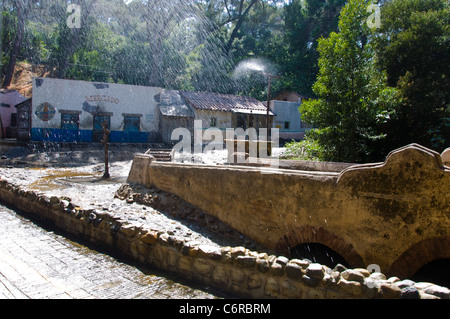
column 76, row 172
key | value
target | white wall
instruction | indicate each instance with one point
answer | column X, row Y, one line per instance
column 87, row 97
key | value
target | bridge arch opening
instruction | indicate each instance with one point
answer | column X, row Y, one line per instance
column 436, row 272
column 318, row 253
column 324, row 242
column 432, row 253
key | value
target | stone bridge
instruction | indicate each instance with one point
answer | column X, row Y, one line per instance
column 394, row 214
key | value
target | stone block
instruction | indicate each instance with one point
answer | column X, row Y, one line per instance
column 294, row 271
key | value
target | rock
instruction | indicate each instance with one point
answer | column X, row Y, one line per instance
column 353, row 275
column 302, row 263
column 254, row 282
column 271, row 288
column 129, row 230
column 405, row 283
column 246, row 261
column 54, row 200
column 351, row 287
column 219, row 276
column 422, row 285
column 237, row 276
column 377, row 276
column 393, row 279
column 289, row 290
column 427, row 296
column 315, row 271
column 410, row 292
column 276, row 269
column 363, row 271
column 282, row 260
column 438, row 291
column 311, row 281
column 294, row 271
column 202, row 266
column 389, row 291
column 209, row 252
column 262, row 265
column 237, row 251
column 340, row 268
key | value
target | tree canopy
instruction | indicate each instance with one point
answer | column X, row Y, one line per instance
column 382, row 88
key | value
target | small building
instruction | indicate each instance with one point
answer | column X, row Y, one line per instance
column 8, row 114
column 285, row 108
column 173, row 113
column 74, row 111
column 224, row 111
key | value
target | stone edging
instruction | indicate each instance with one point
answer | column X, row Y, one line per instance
column 234, row 270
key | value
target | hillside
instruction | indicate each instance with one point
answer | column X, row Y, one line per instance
column 23, row 77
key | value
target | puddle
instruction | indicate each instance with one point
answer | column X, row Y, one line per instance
column 55, row 179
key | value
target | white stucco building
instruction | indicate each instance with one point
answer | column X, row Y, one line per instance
column 73, row 111
column 287, row 117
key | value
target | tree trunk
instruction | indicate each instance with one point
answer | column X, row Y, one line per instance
column 16, row 47
column 242, row 16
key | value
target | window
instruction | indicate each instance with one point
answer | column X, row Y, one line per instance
column 131, row 122
column 70, row 120
column 213, row 122
column 286, row 125
column 99, row 120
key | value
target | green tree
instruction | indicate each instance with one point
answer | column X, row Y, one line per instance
column 413, row 46
column 305, row 22
column 347, row 88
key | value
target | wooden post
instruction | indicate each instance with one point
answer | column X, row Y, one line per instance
column 105, row 142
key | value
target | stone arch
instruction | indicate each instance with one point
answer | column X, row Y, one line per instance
column 420, row 254
column 315, row 234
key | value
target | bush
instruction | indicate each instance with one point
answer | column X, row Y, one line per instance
column 306, row 150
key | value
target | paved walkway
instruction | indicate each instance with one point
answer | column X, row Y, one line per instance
column 38, row 264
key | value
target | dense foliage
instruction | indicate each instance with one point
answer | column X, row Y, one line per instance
column 382, row 88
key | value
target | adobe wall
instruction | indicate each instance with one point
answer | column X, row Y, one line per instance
column 370, row 214
column 235, row 270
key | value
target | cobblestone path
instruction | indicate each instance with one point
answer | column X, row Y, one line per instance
column 39, row 264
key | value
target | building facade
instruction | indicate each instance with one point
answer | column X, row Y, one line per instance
column 74, row 111
column 287, row 116
column 225, row 111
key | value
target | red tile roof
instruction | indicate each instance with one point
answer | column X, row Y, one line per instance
column 221, row 102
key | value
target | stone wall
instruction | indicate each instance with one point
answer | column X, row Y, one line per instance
column 235, row 270
column 379, row 213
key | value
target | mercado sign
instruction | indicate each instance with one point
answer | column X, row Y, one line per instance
column 102, row 98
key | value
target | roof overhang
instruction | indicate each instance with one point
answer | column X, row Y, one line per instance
column 247, row 111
